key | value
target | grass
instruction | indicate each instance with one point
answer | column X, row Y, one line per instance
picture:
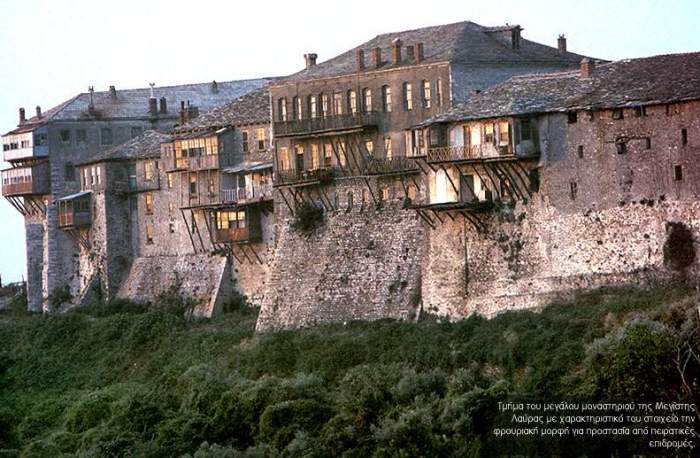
column 124, row 380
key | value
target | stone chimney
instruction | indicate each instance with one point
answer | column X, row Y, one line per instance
column 153, row 106
column 410, row 53
column 360, row 59
column 377, row 52
column 91, row 104
column 22, row 117
column 561, row 43
column 38, row 111
column 420, row 56
column 587, row 67
column 396, row 51
column 515, row 36
column 113, row 92
column 214, row 87
column 310, row 60
column 183, row 113
column 163, row 105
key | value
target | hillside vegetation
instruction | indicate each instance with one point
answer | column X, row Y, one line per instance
column 120, row 379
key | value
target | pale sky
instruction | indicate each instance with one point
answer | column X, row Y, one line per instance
column 53, row 50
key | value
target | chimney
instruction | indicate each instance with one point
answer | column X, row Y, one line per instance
column 587, row 67
column 91, row 105
column 561, row 43
column 214, row 87
column 396, row 51
column 515, row 36
column 377, row 56
column 419, row 53
column 310, row 59
column 182, row 112
column 360, row 59
column 113, row 92
column 22, row 117
column 38, row 111
column 410, row 53
column 153, row 106
column 163, row 105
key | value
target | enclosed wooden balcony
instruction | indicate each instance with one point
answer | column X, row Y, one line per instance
column 74, row 210
column 321, row 124
column 290, row 177
column 236, row 235
column 193, row 163
column 25, row 181
column 254, row 193
column 236, row 225
column 465, row 153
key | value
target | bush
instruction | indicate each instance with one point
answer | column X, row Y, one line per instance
column 88, row 412
column 59, row 296
column 307, row 217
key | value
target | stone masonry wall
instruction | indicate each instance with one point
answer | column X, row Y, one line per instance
column 361, row 263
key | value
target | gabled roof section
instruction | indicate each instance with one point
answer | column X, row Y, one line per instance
column 133, row 103
column 630, row 82
column 251, row 108
column 462, row 42
column 145, row 146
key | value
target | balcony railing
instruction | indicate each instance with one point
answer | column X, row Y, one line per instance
column 73, row 219
column 26, row 153
column 383, row 166
column 294, row 176
column 325, row 124
column 26, row 180
column 243, row 195
column 459, row 153
column 206, row 162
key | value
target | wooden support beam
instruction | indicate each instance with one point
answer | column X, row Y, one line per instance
column 526, row 177
column 230, row 250
column 417, row 161
column 245, row 254
column 291, row 210
column 14, row 204
column 209, row 231
column 344, row 146
column 473, row 221
column 426, row 218
column 413, row 179
column 524, row 183
column 496, row 186
column 256, row 254
column 450, row 215
column 374, row 199
column 447, row 174
column 337, row 157
column 513, row 185
column 435, row 214
column 466, row 183
column 196, row 227
column 481, row 178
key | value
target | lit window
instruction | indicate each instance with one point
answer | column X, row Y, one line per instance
column 324, row 105
column 149, row 233
column 488, row 133
column 260, row 137
column 313, row 109
column 148, row 171
column 193, row 185
column 296, row 107
column 366, row 100
column 407, row 96
column 386, row 98
column 170, row 180
column 283, row 157
column 314, row 157
column 385, row 194
column 426, row 94
column 387, row 147
column 352, row 102
column 148, row 198
column 327, row 155
column 337, row 103
column 282, row 109
column 503, row 133
column 439, row 91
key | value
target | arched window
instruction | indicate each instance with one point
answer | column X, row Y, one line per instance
column 282, row 109
column 352, row 102
column 296, row 108
column 366, row 100
column 386, row 98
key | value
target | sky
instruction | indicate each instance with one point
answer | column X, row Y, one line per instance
column 53, row 50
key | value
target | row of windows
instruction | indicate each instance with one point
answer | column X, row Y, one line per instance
column 260, row 139
column 617, row 114
column 621, row 146
column 325, row 160
column 106, row 137
column 349, row 102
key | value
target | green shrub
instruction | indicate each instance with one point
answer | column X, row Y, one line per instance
column 279, row 423
column 307, row 217
column 89, row 411
column 60, row 296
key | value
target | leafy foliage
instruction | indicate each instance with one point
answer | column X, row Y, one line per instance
column 307, row 217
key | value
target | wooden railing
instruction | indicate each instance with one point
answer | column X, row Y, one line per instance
column 257, row 192
column 26, row 180
column 325, row 123
column 206, row 162
column 294, row 176
column 457, row 153
column 381, row 166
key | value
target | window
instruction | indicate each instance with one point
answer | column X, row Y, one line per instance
column 260, row 137
column 324, row 105
column 503, row 133
column 148, row 201
column 407, row 96
column 299, row 157
column 283, row 157
column 171, row 227
column 621, row 147
column 525, row 130
column 366, row 100
column 387, row 147
column 148, row 171
column 488, row 133
column 684, row 136
column 385, row 194
column 572, row 117
column 65, row 136
column 170, row 180
column 617, row 113
column 678, row 172
column 640, row 111
column 149, row 233
column 313, row 109
column 349, row 200
column 369, row 146
column 193, row 185
column 106, row 136
column 337, row 103
column 426, row 94
column 315, row 159
column 647, row 143
column 327, row 155
column 136, row 131
column 573, row 190
column 69, row 172
column 386, row 98
column 244, row 140
column 439, row 91
column 296, row 107
column 86, row 180
column 352, row 102
column 580, row 151
column 81, row 136
column 282, row 109
column 230, row 220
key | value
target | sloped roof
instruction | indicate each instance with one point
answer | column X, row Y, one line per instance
column 133, row 103
column 630, row 82
column 462, row 42
column 145, row 146
column 251, row 108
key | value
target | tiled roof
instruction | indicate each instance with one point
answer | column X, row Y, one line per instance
column 251, row 108
column 630, row 82
column 145, row 146
column 461, row 42
column 133, row 103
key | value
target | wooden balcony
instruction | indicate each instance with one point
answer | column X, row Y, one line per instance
column 339, row 123
column 465, row 153
column 74, row 210
column 206, row 162
column 236, row 235
column 74, row 219
column 255, row 193
column 390, row 166
column 298, row 177
column 24, row 181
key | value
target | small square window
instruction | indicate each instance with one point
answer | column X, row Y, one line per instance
column 617, row 113
column 572, row 117
column 81, row 136
column 684, row 136
column 647, row 143
column 65, row 136
column 621, row 147
column 678, row 172
column 580, row 151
